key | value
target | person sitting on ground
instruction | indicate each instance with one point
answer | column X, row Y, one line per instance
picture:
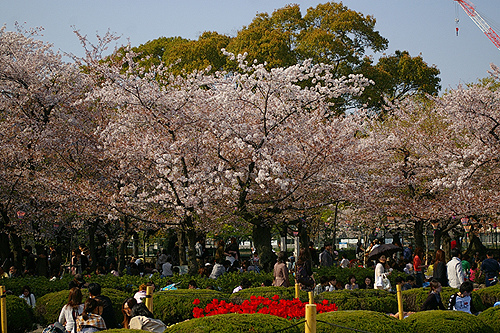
column 399, row 282
column 367, row 284
column 333, row 284
column 142, row 319
column 462, row 301
column 141, row 294
column 219, row 269
column 410, row 283
column 192, row 284
column 127, row 307
column 71, row 310
column 352, row 283
column 108, row 314
column 167, row 268
column 322, row 286
column 78, row 281
column 344, row 263
column 433, row 301
column 28, row 296
column 244, row 284
column 90, row 320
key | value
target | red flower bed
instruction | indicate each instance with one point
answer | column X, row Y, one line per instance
column 289, row 309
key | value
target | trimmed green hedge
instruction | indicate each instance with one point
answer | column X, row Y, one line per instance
column 175, row 306
column 491, row 317
column 231, row 323
column 49, row 306
column 414, row 298
column 360, row 299
column 444, row 321
column 20, row 317
column 369, row 321
column 268, row 292
column 489, row 295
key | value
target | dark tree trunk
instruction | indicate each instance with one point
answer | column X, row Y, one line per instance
column 261, row 234
column 475, row 245
column 418, row 234
column 446, row 245
column 437, row 239
column 191, row 252
column 181, row 240
column 92, row 244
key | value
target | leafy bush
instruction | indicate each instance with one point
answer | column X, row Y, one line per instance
column 489, row 295
column 361, row 299
column 20, row 317
column 49, row 306
column 414, row 298
column 174, row 306
column 439, row 321
column 230, row 323
column 491, row 317
column 39, row 285
column 369, row 321
column 268, row 292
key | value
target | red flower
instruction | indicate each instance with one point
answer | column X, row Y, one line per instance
column 196, row 301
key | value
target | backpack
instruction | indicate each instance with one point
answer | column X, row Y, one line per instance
column 54, row 328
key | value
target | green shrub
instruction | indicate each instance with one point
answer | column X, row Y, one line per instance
column 491, row 317
column 20, row 317
column 39, row 285
column 268, row 292
column 414, row 298
column 368, row 321
column 174, row 306
column 489, row 295
column 123, row 330
column 231, row 323
column 439, row 321
column 361, row 299
column 49, row 306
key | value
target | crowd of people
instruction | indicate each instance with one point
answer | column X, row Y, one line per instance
column 96, row 312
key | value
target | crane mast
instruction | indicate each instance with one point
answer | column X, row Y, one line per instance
column 470, row 9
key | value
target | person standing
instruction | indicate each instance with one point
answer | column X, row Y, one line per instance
column 418, row 266
column 439, row 271
column 380, row 272
column 454, row 269
column 325, row 257
column 490, row 269
column 280, row 272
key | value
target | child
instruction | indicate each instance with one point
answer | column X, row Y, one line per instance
column 462, row 301
column 433, row 301
column 90, row 321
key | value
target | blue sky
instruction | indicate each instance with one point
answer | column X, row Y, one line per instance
column 424, row 27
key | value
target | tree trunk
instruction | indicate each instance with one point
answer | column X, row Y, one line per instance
column 418, row 234
column 446, row 245
column 4, row 236
column 261, row 234
column 475, row 245
column 191, row 252
column 92, row 244
column 181, row 240
column 437, row 239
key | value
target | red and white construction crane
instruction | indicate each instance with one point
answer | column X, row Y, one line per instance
column 470, row 9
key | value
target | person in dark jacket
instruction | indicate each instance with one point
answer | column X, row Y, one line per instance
column 433, row 301
column 439, row 270
column 107, row 312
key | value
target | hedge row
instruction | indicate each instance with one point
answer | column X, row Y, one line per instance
column 347, row 321
column 177, row 305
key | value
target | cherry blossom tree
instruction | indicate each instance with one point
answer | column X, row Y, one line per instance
column 36, row 87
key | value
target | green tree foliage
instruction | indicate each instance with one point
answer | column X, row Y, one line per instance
column 397, row 76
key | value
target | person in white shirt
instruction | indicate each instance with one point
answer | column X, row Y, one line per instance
column 462, row 301
column 167, row 268
column 456, row 275
column 28, row 297
column 71, row 310
column 344, row 263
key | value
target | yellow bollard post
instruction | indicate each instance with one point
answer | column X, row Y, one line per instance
column 297, row 290
column 311, row 297
column 3, row 309
column 400, row 302
column 310, row 318
column 149, row 298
